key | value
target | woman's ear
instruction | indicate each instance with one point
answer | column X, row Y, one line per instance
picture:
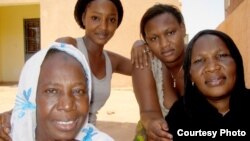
column 83, row 18
column 190, row 76
column 183, row 28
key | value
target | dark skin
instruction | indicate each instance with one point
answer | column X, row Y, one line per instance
column 165, row 38
column 101, row 22
column 5, row 126
column 100, row 17
column 62, row 96
column 211, row 59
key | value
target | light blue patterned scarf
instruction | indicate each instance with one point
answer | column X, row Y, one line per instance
column 23, row 119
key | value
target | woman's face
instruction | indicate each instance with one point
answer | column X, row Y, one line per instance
column 213, row 70
column 100, row 20
column 165, row 37
column 62, row 98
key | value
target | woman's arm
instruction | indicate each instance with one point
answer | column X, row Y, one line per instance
column 146, row 94
column 139, row 57
column 140, row 54
column 120, row 64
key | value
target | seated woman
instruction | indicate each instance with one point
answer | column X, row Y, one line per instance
column 216, row 102
column 53, row 98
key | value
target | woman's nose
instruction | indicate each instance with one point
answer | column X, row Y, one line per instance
column 104, row 25
column 164, row 42
column 212, row 65
column 66, row 102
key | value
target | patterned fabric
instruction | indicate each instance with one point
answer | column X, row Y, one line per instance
column 140, row 132
column 23, row 119
column 91, row 133
column 156, row 67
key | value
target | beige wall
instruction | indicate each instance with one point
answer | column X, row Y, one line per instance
column 57, row 20
column 237, row 25
column 18, row 2
column 230, row 5
column 1, row 58
column 12, row 39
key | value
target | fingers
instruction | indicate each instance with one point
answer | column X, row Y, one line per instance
column 140, row 54
column 135, row 57
column 158, row 131
column 5, row 126
column 146, row 52
column 132, row 56
column 165, row 129
column 163, row 124
column 160, row 136
column 6, row 121
column 4, row 134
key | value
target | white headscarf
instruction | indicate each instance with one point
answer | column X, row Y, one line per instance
column 23, row 119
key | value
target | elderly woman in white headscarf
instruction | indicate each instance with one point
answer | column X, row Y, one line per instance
column 53, row 98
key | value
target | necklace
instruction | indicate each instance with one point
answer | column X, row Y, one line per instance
column 174, row 78
column 224, row 113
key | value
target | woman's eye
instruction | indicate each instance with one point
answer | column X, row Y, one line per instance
column 153, row 39
column 113, row 20
column 94, row 18
column 171, row 33
column 51, row 91
column 223, row 55
column 79, row 92
column 197, row 61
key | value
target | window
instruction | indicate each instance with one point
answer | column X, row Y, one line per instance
column 32, row 35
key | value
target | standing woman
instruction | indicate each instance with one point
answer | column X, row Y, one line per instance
column 163, row 30
column 99, row 19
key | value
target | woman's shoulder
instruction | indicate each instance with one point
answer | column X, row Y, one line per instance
column 248, row 92
column 246, row 97
column 67, row 40
column 177, row 111
column 178, row 117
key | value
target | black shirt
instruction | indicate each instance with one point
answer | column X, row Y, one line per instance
column 201, row 121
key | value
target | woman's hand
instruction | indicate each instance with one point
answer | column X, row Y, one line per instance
column 140, row 54
column 5, row 126
column 157, row 130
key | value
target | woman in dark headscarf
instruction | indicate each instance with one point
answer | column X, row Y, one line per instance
column 216, row 101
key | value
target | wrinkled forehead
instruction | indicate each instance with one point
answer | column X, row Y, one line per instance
column 55, row 55
column 209, row 43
